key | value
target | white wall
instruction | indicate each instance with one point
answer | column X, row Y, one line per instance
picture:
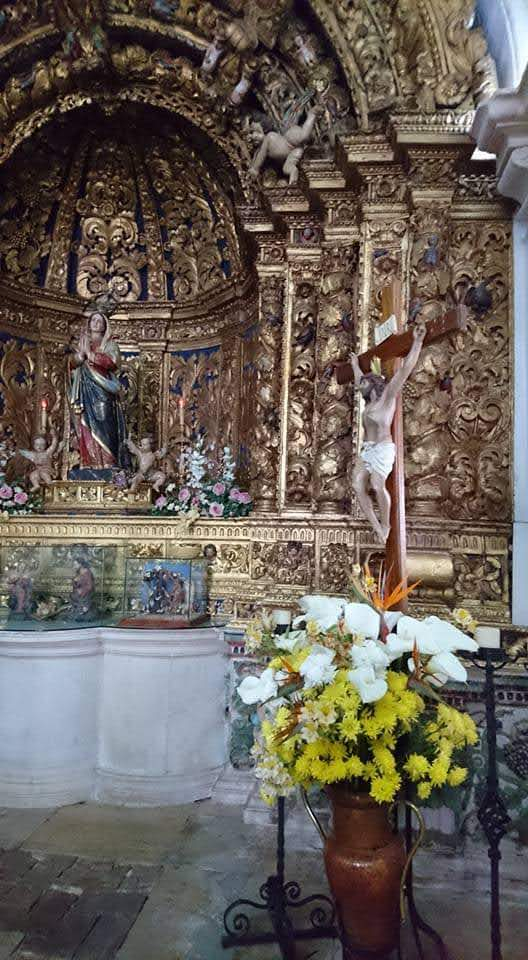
column 505, row 24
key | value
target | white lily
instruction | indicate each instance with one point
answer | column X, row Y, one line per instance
column 369, row 686
column 318, row 666
column 432, row 636
column 362, row 619
column 258, row 689
column 370, row 654
column 324, row 610
column 441, row 668
column 370, row 662
column 289, row 641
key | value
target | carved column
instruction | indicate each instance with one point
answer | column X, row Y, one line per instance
column 333, row 402
column 299, row 382
column 267, row 379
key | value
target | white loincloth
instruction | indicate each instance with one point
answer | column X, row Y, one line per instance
column 378, row 457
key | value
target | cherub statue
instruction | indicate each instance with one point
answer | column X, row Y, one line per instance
column 287, row 147
column 147, row 458
column 376, row 457
column 42, row 458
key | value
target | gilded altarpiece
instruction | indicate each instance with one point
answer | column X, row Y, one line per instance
column 127, row 171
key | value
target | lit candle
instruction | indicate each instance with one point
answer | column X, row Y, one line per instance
column 281, row 618
column 488, row 637
column 43, row 414
column 181, row 405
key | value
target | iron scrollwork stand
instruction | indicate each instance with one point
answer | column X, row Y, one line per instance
column 492, row 813
column 277, row 898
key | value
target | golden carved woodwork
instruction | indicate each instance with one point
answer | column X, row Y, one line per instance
column 90, row 495
column 17, row 385
column 458, row 466
column 334, row 403
column 301, row 397
column 264, row 399
column 147, row 222
column 240, row 296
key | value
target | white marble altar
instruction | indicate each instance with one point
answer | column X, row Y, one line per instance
column 118, row 716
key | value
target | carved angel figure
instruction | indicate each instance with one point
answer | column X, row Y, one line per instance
column 42, row 458
column 286, row 147
column 147, row 458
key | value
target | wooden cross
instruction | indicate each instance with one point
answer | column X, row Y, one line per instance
column 390, row 352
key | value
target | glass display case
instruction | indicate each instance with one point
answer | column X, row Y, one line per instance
column 165, row 593
column 59, row 586
column 64, row 586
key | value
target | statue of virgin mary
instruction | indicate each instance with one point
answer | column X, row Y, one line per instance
column 95, row 398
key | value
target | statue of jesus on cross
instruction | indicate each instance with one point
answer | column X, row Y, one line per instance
column 378, row 452
column 381, row 456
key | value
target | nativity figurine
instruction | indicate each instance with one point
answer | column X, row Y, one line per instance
column 377, row 454
column 147, row 459
column 41, row 456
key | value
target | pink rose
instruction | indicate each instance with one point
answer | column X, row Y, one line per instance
column 184, row 494
column 244, row 497
column 219, row 489
column 21, row 498
column 195, row 502
column 235, row 494
column 6, row 492
column 216, row 509
column 161, row 502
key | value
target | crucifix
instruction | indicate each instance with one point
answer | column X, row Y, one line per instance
column 381, row 457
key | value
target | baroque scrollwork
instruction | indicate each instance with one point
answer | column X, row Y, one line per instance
column 303, row 366
column 335, row 337
column 17, row 382
column 458, row 465
column 267, row 387
column 285, row 563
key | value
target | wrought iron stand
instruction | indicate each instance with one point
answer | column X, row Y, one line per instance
column 418, row 924
column 277, row 897
column 492, row 813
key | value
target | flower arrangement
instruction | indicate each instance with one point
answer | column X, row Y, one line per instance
column 15, row 501
column 351, row 694
column 207, row 487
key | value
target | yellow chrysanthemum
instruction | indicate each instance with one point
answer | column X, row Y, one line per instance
column 409, row 705
column 456, row 776
column 417, row 766
column 424, row 790
column 383, row 757
column 350, row 727
column 384, row 789
column 385, row 712
column 355, row 767
column 388, row 740
column 371, row 727
column 336, row 770
column 397, row 682
column 438, row 772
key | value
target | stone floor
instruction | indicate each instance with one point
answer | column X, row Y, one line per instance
column 93, row 883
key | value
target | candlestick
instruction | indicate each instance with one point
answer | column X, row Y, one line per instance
column 281, row 618
column 489, row 637
column 181, row 406
column 43, row 415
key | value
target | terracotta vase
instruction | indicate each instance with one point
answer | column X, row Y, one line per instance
column 364, row 861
